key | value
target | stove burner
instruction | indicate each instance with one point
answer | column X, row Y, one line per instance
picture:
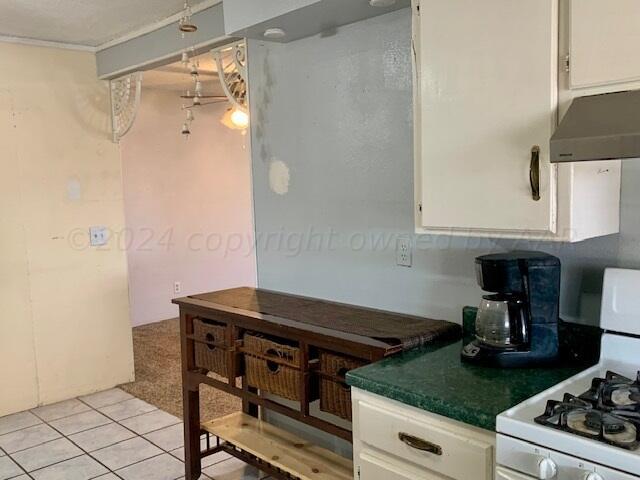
column 609, row 412
column 598, row 421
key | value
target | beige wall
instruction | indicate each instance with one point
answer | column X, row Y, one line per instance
column 180, row 193
column 64, row 326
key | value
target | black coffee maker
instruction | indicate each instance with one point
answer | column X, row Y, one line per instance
column 517, row 324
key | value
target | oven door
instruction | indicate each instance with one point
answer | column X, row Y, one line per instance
column 506, row 474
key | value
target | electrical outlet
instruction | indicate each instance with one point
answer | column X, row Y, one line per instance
column 404, row 252
column 98, row 236
column 177, row 287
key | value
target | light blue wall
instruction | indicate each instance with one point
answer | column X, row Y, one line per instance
column 337, row 110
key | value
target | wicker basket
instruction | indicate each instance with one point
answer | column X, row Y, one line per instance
column 210, row 357
column 335, row 395
column 262, row 370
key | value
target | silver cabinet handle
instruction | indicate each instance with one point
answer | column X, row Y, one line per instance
column 420, row 444
column 534, row 173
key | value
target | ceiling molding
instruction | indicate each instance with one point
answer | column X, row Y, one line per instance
column 46, row 43
column 156, row 25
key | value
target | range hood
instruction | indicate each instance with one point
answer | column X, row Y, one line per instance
column 599, row 127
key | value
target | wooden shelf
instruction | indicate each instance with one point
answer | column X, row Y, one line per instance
column 280, row 448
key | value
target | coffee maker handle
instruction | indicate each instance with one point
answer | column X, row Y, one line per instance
column 534, row 173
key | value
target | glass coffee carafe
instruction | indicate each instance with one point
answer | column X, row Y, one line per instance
column 501, row 321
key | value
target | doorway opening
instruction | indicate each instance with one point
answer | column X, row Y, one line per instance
column 189, row 217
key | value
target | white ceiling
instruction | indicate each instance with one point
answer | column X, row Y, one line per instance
column 82, row 22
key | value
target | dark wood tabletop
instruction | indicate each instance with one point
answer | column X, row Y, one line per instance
column 385, row 332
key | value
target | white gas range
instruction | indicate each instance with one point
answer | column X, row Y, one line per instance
column 587, row 427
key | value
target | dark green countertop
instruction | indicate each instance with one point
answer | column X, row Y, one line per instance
column 435, row 379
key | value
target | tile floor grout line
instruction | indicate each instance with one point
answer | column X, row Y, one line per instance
column 107, row 405
column 24, row 471
column 55, row 419
column 81, row 450
column 88, row 429
column 127, row 418
column 51, row 465
column 85, row 430
column 140, row 461
column 90, row 455
column 20, row 474
column 33, row 446
column 108, row 446
column 135, row 434
column 103, row 474
column 41, row 422
column 21, row 429
column 157, row 429
column 118, row 403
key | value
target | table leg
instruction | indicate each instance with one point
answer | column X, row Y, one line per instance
column 190, row 401
column 248, row 407
column 193, row 467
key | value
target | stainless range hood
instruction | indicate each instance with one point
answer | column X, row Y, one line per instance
column 599, row 127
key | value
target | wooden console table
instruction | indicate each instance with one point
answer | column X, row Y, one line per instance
column 304, row 321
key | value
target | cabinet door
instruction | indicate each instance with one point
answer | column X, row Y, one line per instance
column 604, row 42
column 488, row 94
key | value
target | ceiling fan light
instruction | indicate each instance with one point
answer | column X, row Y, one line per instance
column 240, row 119
column 235, row 119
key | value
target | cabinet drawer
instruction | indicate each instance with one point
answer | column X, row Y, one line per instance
column 425, row 442
column 373, row 468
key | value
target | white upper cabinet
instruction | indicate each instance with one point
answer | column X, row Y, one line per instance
column 605, row 37
column 491, row 82
column 489, row 95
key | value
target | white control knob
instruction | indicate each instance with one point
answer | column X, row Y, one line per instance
column 547, row 469
column 593, row 476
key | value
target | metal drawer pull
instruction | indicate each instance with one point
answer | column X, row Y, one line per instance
column 534, row 173
column 419, row 444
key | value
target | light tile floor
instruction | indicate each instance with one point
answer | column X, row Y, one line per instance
column 105, row 436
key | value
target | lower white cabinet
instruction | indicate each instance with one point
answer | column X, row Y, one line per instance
column 392, row 441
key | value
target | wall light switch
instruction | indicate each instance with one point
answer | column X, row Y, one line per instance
column 98, row 236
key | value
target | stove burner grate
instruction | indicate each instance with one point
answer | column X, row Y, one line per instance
column 609, row 412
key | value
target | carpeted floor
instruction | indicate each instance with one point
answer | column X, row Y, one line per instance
column 156, row 350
